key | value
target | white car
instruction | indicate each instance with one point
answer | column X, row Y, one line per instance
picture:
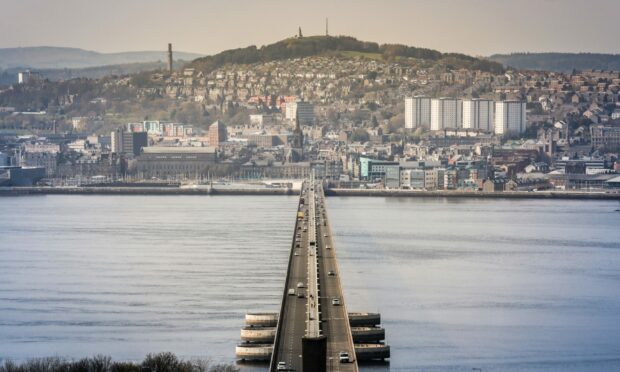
column 281, row 366
column 344, row 357
column 300, row 285
column 336, row 302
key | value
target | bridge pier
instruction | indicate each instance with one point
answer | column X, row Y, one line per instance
column 314, row 354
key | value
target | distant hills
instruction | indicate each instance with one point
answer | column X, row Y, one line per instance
column 337, row 45
column 75, row 58
column 560, row 62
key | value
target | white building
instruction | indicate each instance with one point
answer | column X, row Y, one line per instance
column 510, row 117
column 304, row 109
column 445, row 113
column 430, row 179
column 478, row 114
column 417, row 112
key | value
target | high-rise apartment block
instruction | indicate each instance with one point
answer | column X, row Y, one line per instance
column 510, row 117
column 417, row 112
column 478, row 114
column 445, row 113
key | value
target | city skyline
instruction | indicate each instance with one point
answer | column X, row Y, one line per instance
column 480, row 27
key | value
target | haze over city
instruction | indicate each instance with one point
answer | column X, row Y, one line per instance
column 477, row 27
column 309, row 186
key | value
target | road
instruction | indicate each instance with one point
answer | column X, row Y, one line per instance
column 298, row 316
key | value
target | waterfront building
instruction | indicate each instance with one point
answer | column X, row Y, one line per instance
column 392, row 176
column 372, row 169
column 478, row 114
column 163, row 162
column 130, row 143
column 445, row 113
column 430, row 179
column 510, row 117
column 417, row 112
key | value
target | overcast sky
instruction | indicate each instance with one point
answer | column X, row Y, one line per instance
column 477, row 27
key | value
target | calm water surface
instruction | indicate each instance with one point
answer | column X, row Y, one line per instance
column 461, row 284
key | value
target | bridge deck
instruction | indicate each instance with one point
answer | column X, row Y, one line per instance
column 316, row 267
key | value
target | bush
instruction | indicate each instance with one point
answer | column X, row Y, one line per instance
column 161, row 362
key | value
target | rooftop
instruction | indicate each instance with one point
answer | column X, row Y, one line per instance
column 179, row 150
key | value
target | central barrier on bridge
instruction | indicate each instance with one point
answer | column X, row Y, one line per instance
column 314, row 343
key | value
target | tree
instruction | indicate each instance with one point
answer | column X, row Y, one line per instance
column 360, row 135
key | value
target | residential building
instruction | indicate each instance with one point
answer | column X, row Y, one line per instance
column 445, row 113
column 478, row 114
column 510, row 117
column 417, row 112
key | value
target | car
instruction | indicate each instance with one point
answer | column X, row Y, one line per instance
column 301, row 294
column 281, row 366
column 344, row 357
column 296, row 253
column 325, row 235
column 331, row 273
column 291, row 292
column 301, row 285
column 328, row 247
column 336, row 301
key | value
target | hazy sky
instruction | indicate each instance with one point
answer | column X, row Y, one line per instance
column 478, row 27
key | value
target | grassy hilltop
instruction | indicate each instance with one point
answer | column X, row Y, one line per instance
column 344, row 46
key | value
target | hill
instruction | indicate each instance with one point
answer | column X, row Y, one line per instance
column 560, row 62
column 323, row 45
column 61, row 58
column 9, row 76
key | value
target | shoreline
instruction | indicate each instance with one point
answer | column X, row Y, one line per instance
column 24, row 191
column 475, row 194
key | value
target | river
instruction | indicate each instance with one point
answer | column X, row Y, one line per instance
column 461, row 283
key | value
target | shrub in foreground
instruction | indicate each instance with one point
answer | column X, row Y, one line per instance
column 161, row 362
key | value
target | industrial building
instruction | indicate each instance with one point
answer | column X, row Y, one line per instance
column 163, row 162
